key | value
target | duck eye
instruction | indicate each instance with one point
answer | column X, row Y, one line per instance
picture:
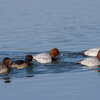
column 8, row 60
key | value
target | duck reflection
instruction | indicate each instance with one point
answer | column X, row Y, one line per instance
column 7, row 80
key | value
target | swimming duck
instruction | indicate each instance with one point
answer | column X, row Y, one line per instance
column 47, row 58
column 91, row 61
column 91, row 52
column 5, row 65
column 21, row 63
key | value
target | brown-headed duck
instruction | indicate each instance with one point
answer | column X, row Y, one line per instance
column 22, row 63
column 5, row 65
column 47, row 58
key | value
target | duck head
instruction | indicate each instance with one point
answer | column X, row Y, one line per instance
column 6, row 61
column 54, row 53
column 28, row 59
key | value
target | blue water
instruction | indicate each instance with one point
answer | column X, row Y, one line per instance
column 35, row 26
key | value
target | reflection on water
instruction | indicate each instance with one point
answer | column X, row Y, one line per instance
column 66, row 63
column 8, row 79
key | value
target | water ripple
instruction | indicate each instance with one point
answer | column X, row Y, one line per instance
column 66, row 63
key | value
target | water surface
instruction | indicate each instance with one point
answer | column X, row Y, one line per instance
column 35, row 26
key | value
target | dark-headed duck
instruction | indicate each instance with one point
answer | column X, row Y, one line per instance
column 5, row 65
column 22, row 63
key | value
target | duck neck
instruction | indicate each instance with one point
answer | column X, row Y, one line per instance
column 53, row 59
column 9, row 68
column 28, row 62
column 5, row 64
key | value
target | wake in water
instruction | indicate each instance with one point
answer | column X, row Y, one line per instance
column 66, row 63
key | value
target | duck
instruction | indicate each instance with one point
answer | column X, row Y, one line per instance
column 5, row 65
column 91, row 52
column 22, row 63
column 91, row 61
column 47, row 58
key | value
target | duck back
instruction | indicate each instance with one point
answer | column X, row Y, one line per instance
column 42, row 58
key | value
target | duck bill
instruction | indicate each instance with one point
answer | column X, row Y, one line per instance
column 60, row 54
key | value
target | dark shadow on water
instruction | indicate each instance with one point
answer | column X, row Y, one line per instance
column 9, row 79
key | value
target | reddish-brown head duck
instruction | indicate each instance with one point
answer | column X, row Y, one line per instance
column 47, row 58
